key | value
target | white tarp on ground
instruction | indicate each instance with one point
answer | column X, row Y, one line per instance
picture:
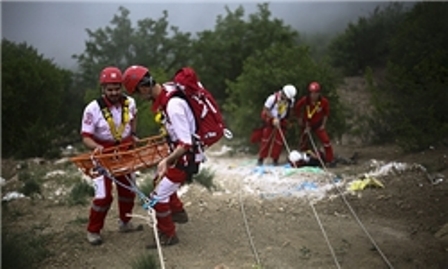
column 270, row 181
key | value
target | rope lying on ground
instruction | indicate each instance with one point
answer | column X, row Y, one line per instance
column 246, row 224
column 319, row 222
column 355, row 216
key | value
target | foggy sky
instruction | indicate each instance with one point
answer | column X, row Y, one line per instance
column 57, row 29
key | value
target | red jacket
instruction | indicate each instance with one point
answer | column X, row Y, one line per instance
column 313, row 114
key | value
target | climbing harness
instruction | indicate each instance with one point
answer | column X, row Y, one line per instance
column 116, row 133
column 311, row 113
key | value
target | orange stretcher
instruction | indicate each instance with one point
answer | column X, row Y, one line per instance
column 124, row 158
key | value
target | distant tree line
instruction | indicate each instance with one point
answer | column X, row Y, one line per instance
column 411, row 46
column 240, row 61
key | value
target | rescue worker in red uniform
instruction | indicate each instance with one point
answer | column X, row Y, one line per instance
column 176, row 168
column 312, row 112
column 109, row 121
column 274, row 115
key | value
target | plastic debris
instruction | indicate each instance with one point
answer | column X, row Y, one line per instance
column 12, row 196
column 311, row 169
column 361, row 184
column 307, row 186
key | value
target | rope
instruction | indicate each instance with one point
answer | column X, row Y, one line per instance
column 251, row 242
column 148, row 205
column 152, row 222
column 383, row 256
column 246, row 224
column 319, row 222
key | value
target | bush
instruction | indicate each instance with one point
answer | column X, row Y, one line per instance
column 80, row 191
column 411, row 105
column 22, row 250
column 31, row 185
column 205, row 179
column 145, row 261
column 366, row 42
column 27, row 75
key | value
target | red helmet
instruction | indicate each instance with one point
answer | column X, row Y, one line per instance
column 314, row 87
column 111, row 75
column 132, row 77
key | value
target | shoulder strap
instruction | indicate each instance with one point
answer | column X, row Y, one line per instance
column 108, row 117
column 275, row 101
column 179, row 93
column 101, row 103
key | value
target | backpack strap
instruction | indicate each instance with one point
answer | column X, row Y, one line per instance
column 179, row 93
column 192, row 167
column 275, row 102
column 117, row 134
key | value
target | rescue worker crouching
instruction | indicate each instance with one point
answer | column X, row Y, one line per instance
column 106, row 122
column 274, row 115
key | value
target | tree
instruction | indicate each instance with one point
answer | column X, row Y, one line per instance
column 267, row 71
column 219, row 54
column 152, row 43
column 414, row 109
column 366, row 43
column 38, row 103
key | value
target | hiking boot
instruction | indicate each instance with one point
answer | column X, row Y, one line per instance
column 165, row 241
column 180, row 217
column 275, row 162
column 332, row 164
column 260, row 162
column 128, row 227
column 94, row 238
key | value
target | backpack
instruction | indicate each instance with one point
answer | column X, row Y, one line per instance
column 210, row 127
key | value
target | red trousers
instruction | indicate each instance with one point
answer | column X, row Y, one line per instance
column 271, row 142
column 103, row 199
column 168, row 201
column 324, row 139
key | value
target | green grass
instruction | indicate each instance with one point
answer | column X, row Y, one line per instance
column 23, row 250
column 147, row 186
column 145, row 261
column 205, row 179
column 79, row 220
column 31, row 184
column 80, row 192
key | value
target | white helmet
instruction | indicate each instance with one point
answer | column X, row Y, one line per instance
column 290, row 91
column 295, row 156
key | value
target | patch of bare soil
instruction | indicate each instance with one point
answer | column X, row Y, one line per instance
column 403, row 218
